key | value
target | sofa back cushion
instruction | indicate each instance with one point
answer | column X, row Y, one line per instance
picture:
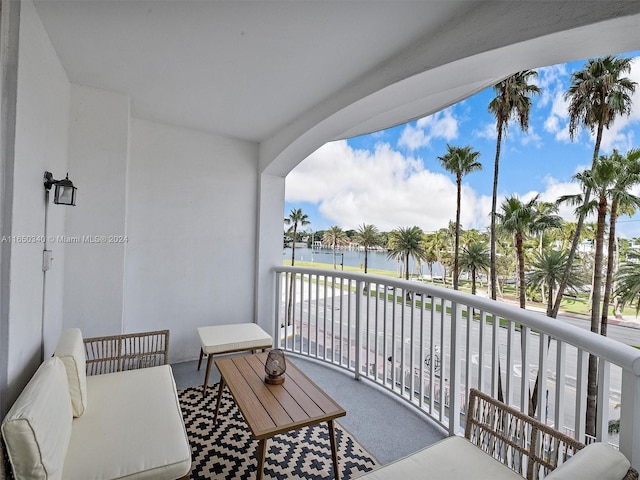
column 597, row 461
column 70, row 349
column 37, row 428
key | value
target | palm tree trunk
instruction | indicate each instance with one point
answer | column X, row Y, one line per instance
column 473, row 280
column 457, row 240
column 293, row 276
column 592, row 380
column 610, row 266
column 520, row 251
column 576, row 237
column 494, row 205
column 365, row 258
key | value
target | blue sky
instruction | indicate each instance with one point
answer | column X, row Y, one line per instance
column 393, row 178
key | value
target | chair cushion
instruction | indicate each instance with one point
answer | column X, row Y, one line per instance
column 132, row 428
column 233, row 337
column 597, row 461
column 37, row 428
column 451, row 458
column 70, row 349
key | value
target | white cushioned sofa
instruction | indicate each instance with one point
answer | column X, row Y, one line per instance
column 69, row 426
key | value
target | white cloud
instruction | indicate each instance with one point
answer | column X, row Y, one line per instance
column 442, row 124
column 383, row 187
column 486, row 131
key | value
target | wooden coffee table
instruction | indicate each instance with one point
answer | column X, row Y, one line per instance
column 273, row 409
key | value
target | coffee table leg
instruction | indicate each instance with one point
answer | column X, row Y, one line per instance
column 206, row 375
column 220, row 389
column 334, row 449
column 262, row 451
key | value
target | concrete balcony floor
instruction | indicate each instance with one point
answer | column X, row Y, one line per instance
column 383, row 424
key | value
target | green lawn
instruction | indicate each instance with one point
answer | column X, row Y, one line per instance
column 579, row 305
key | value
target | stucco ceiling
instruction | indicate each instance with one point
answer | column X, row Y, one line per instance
column 274, row 72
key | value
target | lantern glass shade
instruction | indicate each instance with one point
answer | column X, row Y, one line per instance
column 65, row 194
column 274, row 367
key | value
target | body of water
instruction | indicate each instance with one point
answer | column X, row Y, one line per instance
column 355, row 258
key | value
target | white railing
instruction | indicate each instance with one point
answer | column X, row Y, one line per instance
column 429, row 345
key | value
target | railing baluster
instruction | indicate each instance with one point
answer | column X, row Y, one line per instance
column 602, row 410
column 561, row 357
column 581, row 394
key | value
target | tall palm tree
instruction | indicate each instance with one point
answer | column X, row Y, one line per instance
column 460, row 161
column 627, row 176
column 367, row 236
column 513, row 98
column 520, row 220
column 475, row 258
column 600, row 179
column 405, row 243
column 629, row 280
column 597, row 95
column 296, row 218
column 334, row 237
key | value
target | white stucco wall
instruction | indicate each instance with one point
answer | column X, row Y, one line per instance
column 191, row 229
column 95, row 238
column 41, row 144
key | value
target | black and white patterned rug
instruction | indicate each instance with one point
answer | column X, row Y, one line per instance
column 227, row 451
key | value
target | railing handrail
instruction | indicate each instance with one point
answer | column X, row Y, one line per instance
column 625, row 356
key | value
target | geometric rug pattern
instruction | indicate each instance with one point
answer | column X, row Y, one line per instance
column 227, row 450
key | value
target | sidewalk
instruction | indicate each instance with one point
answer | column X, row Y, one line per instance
column 630, row 321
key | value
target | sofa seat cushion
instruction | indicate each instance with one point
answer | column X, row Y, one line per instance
column 132, row 428
column 37, row 428
column 451, row 458
column 70, row 349
column 598, row 461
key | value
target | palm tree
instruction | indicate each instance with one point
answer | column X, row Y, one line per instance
column 475, row 258
column 520, row 220
column 460, row 161
column 597, row 95
column 296, row 218
column 600, row 178
column 627, row 175
column 512, row 99
column 547, row 271
column 629, row 280
column 334, row 237
column 405, row 243
column 367, row 236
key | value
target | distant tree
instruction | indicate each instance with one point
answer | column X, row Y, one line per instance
column 334, row 237
column 296, row 218
column 513, row 100
column 367, row 236
column 547, row 271
column 405, row 243
column 475, row 258
column 628, row 288
column 523, row 219
column 460, row 161
column 597, row 95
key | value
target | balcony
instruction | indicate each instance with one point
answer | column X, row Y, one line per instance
column 428, row 346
